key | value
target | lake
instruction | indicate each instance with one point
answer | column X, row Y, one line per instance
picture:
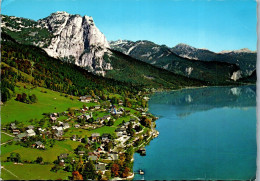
column 205, row 133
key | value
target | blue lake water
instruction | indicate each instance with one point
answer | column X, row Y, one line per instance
column 205, row 133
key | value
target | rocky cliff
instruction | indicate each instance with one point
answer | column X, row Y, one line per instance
column 71, row 38
column 76, row 39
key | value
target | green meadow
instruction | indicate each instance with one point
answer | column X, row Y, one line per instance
column 5, row 138
column 49, row 155
column 31, row 172
column 47, row 102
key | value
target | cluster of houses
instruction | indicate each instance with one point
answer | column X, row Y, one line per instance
column 88, row 98
column 115, row 111
column 20, row 136
column 59, row 130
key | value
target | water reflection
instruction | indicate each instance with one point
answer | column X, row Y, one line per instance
column 206, row 133
column 187, row 101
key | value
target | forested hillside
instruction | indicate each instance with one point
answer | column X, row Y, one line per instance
column 30, row 64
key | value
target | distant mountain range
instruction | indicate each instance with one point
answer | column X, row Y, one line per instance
column 244, row 58
column 193, row 62
column 76, row 39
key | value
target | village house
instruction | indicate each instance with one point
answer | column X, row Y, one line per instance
column 58, row 131
column 53, row 118
column 63, row 156
column 92, row 157
column 119, row 134
column 126, row 124
column 12, row 126
column 16, row 131
column 39, row 144
column 107, row 117
column 30, row 132
column 120, row 102
column 116, row 112
column 30, row 127
column 100, row 167
column 101, row 150
column 86, row 98
column 96, row 100
column 121, row 109
column 97, row 106
column 81, row 153
column 65, row 126
column 112, row 156
column 87, row 116
column 62, row 163
column 95, row 136
column 121, row 129
column 41, row 130
column 105, row 137
column 20, row 137
column 84, row 109
column 146, row 98
column 76, row 125
column 74, row 137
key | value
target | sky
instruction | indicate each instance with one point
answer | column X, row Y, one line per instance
column 212, row 24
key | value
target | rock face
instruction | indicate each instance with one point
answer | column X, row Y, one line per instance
column 77, row 40
column 236, row 75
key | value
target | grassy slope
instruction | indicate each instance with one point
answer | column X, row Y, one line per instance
column 5, row 138
column 31, row 172
column 47, row 102
column 48, row 155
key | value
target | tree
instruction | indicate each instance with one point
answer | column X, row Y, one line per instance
column 115, row 169
column 39, row 159
column 18, row 157
column 33, row 98
column 110, row 122
column 89, row 171
column 69, row 168
column 19, row 97
column 5, row 94
column 109, row 146
column 108, row 175
column 146, row 122
column 24, row 97
column 76, row 176
column 121, row 159
column 125, row 172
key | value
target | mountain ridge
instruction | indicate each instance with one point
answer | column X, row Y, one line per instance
column 148, row 53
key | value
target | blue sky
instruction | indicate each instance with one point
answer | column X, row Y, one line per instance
column 213, row 24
